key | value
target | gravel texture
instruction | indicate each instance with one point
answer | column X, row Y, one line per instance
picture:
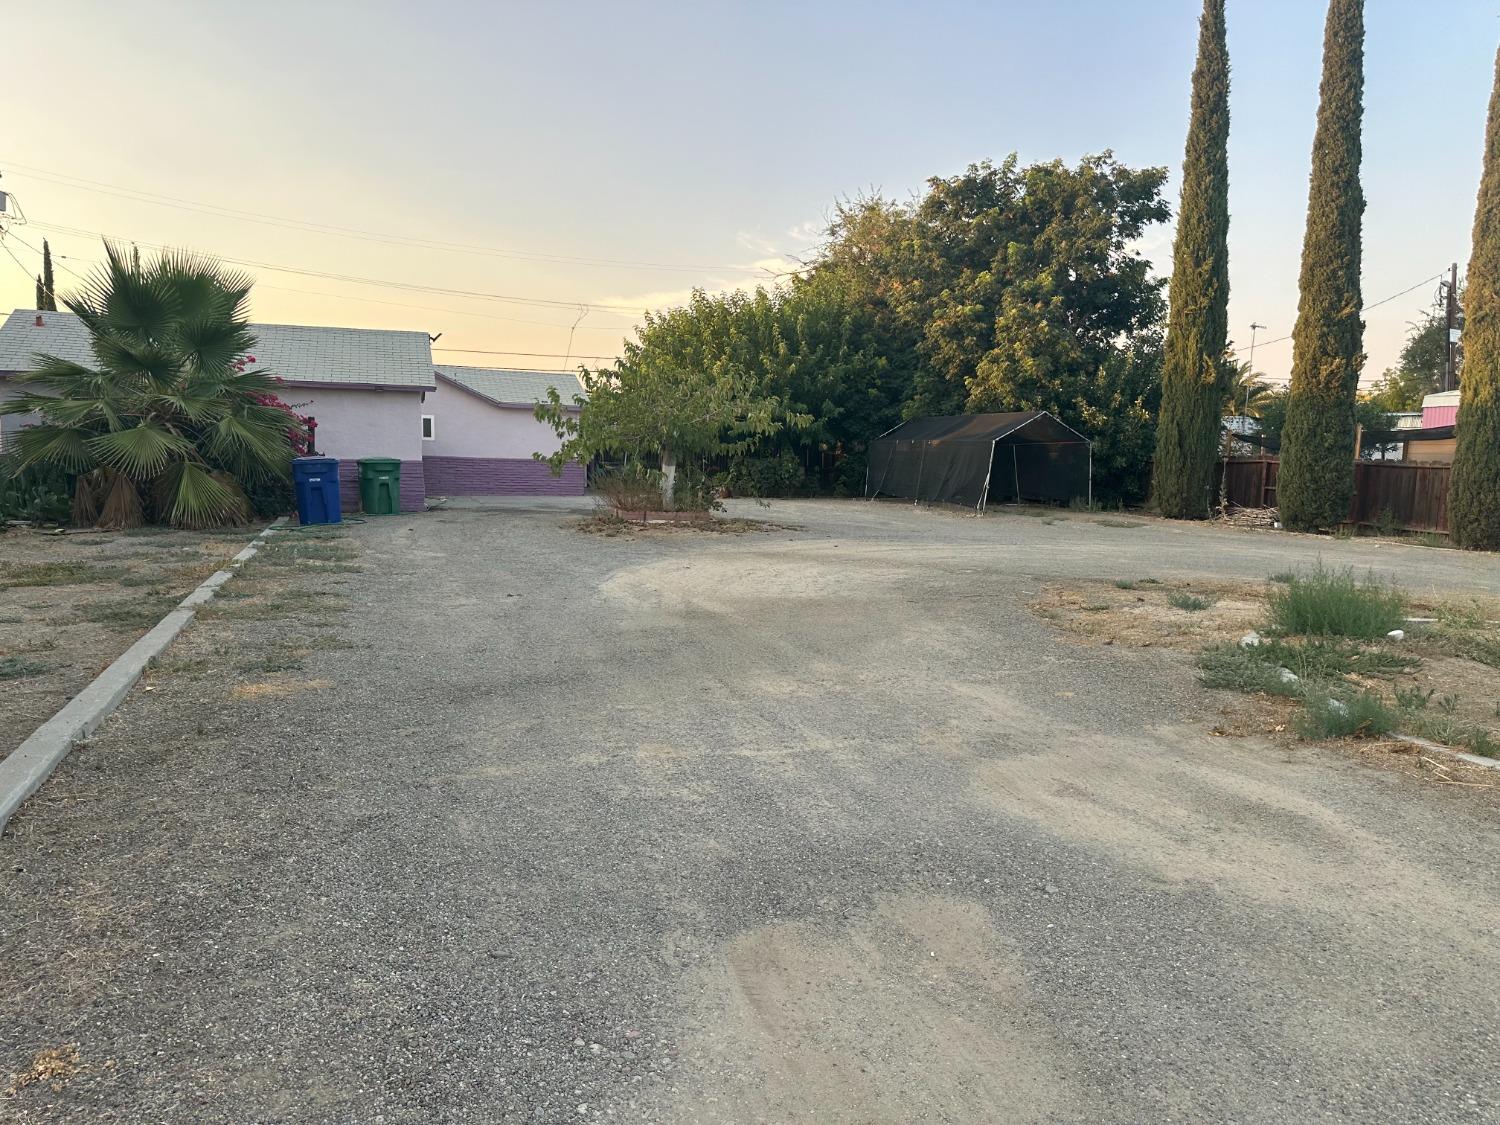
column 818, row 825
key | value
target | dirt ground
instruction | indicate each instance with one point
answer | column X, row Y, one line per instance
column 71, row 603
column 1135, row 612
column 474, row 817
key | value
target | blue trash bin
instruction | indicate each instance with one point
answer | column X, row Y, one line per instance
column 316, row 481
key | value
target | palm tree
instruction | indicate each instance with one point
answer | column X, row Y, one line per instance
column 170, row 425
column 1245, row 390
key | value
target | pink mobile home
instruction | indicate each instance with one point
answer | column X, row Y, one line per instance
column 480, row 433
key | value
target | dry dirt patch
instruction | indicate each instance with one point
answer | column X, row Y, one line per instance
column 1141, row 613
column 71, row 603
column 915, row 1011
column 609, row 525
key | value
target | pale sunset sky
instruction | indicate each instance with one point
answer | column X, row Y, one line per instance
column 602, row 158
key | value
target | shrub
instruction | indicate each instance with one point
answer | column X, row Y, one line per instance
column 1328, row 603
column 1360, row 716
column 631, row 488
column 39, row 494
column 1177, row 599
column 778, row 475
column 1244, row 669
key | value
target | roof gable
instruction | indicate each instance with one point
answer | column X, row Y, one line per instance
column 355, row 357
column 507, row 387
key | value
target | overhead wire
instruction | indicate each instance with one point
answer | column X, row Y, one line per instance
column 386, row 237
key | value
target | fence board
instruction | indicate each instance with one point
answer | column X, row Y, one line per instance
column 1411, row 497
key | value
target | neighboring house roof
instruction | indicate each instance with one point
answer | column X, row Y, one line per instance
column 308, row 354
column 505, row 387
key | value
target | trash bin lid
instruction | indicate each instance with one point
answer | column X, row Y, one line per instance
column 380, row 464
column 310, row 465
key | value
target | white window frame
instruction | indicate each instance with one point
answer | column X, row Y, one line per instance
column 429, row 427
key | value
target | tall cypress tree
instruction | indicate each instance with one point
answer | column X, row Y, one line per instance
column 48, row 298
column 1187, row 432
column 1474, row 490
column 41, row 294
column 1316, row 481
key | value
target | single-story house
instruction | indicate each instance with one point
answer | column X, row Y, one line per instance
column 480, row 432
column 373, row 393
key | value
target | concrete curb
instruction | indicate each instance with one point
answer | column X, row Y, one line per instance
column 29, row 765
column 1439, row 748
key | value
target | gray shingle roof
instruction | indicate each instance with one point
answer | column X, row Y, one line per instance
column 512, row 388
column 297, row 353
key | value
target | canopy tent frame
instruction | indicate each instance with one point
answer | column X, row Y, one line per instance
column 1011, row 425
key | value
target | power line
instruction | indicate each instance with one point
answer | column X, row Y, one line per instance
column 178, row 203
column 1367, row 308
column 540, row 302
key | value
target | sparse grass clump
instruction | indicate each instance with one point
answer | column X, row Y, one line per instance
column 56, row 574
column 1179, row 599
column 1246, row 670
column 1364, row 715
column 18, row 667
column 138, row 613
column 1124, row 584
column 1328, row 603
column 1118, row 523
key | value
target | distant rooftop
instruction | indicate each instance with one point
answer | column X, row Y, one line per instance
column 506, row 387
column 297, row 353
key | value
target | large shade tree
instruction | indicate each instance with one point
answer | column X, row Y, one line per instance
column 1474, row 492
column 1187, row 431
column 1316, row 480
column 1017, row 288
column 170, row 423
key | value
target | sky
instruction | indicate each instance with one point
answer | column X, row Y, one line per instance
column 524, row 178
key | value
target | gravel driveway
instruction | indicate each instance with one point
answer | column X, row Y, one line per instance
column 816, row 825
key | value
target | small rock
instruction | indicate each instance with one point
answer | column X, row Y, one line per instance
column 1338, row 707
column 1287, row 675
column 1397, row 634
column 1250, row 639
column 1051, row 888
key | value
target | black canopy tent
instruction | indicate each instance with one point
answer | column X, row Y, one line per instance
column 967, row 458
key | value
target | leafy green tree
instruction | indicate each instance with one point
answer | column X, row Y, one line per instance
column 691, row 387
column 1419, row 369
column 1474, row 490
column 1316, row 479
column 169, row 424
column 1011, row 288
column 1187, row 431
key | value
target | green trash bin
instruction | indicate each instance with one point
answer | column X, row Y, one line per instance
column 380, row 486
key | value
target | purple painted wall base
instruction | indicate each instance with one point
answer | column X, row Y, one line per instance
column 498, row 476
column 413, row 486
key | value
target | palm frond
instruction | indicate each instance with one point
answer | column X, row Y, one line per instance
column 48, row 444
column 143, row 451
column 190, row 496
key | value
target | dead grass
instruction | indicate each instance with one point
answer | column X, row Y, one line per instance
column 609, row 525
column 62, row 573
column 87, row 597
column 51, row 1065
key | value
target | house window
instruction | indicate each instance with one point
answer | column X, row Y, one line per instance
column 429, row 428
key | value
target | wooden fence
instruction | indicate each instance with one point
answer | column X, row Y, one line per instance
column 1411, row 497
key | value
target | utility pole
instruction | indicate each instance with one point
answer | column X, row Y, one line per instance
column 1253, row 329
column 1450, row 366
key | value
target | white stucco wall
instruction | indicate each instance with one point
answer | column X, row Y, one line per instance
column 466, row 425
column 362, row 423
